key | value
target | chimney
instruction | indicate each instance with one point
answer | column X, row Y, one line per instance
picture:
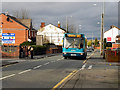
column 42, row 25
column 58, row 24
column 111, row 27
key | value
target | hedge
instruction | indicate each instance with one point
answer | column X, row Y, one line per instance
column 28, row 43
column 39, row 50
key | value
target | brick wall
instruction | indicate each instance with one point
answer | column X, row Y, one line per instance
column 112, row 56
column 14, row 54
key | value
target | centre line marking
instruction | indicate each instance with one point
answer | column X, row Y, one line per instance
column 24, row 71
column 58, row 59
column 37, row 67
column 46, row 63
column 52, row 61
column 7, row 76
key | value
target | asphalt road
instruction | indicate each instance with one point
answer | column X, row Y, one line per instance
column 41, row 73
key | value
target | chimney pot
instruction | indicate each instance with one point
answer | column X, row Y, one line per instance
column 42, row 24
column 58, row 24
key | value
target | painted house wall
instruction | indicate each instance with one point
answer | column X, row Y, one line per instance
column 112, row 33
column 52, row 34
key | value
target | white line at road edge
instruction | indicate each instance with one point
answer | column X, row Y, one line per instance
column 7, row 76
column 90, row 67
column 24, row 71
column 83, row 66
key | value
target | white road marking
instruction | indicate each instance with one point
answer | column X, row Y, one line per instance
column 52, row 61
column 24, row 71
column 83, row 66
column 37, row 67
column 46, row 63
column 58, row 59
column 90, row 67
column 7, row 76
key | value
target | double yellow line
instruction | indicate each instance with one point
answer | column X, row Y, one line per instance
column 57, row 85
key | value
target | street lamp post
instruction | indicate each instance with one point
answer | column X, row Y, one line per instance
column 102, row 29
column 80, row 28
column 66, row 25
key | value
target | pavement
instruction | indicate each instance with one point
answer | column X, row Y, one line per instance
column 9, row 61
column 95, row 73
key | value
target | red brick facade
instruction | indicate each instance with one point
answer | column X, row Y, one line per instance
column 10, row 25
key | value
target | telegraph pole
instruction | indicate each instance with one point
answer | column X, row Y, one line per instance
column 102, row 29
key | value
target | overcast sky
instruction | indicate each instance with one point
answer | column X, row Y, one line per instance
column 86, row 14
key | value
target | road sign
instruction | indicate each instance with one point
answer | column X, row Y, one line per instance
column 108, row 39
column 8, row 38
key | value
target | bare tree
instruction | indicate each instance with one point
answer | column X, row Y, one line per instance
column 71, row 28
column 23, row 14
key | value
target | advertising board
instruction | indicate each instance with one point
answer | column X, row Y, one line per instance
column 8, row 38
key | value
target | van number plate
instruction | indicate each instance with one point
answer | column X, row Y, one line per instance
column 73, row 54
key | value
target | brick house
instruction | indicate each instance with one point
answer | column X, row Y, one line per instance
column 22, row 28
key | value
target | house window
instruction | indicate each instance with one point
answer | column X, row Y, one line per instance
column 29, row 32
column 32, row 33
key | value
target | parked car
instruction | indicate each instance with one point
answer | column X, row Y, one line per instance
column 90, row 49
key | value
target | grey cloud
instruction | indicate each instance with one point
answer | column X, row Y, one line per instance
column 84, row 13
